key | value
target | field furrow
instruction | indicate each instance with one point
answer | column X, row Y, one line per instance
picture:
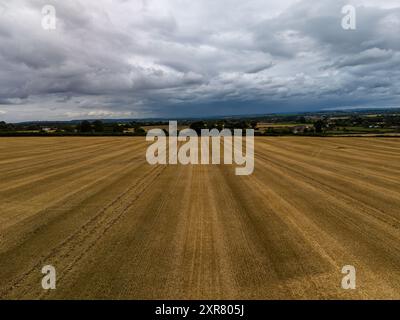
column 116, row 227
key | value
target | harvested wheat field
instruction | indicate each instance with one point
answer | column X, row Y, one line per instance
column 115, row 227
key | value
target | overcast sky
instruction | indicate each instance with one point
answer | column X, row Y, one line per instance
column 180, row 58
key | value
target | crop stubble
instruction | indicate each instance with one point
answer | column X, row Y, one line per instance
column 116, row 227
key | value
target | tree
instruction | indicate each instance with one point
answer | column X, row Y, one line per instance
column 197, row 126
column 85, row 126
column 3, row 125
column 319, row 125
column 98, row 126
column 302, row 119
column 117, row 128
column 140, row 131
column 241, row 125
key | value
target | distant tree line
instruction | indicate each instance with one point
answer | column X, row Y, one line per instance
column 303, row 124
column 85, row 127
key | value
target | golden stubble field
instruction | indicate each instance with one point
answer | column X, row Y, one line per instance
column 115, row 227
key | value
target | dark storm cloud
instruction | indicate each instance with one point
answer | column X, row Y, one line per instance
column 173, row 58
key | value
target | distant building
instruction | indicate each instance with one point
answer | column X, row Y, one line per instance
column 48, row 129
column 129, row 130
column 300, row 129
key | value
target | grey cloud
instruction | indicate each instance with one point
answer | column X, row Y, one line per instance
column 260, row 68
column 112, row 58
